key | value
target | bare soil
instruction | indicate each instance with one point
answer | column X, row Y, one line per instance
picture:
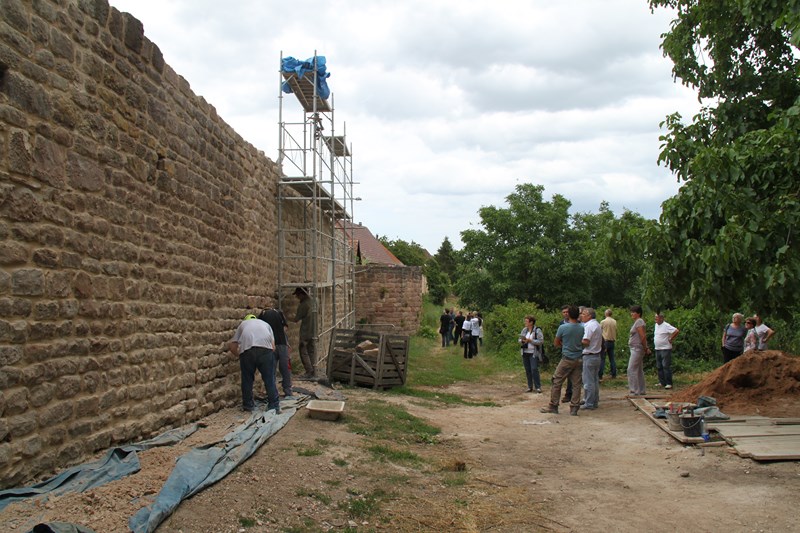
column 505, row 468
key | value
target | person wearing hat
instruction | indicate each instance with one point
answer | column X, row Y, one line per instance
column 254, row 344
column 308, row 354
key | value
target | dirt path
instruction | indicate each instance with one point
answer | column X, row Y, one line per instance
column 609, row 469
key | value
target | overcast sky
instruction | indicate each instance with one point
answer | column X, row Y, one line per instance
column 448, row 104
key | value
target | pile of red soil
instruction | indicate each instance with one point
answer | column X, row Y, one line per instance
column 758, row 383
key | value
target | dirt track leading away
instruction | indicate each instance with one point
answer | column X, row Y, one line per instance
column 609, row 469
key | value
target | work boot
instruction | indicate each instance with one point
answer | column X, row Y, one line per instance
column 573, row 410
column 549, row 409
column 566, row 399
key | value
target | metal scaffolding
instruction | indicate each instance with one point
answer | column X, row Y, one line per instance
column 315, row 205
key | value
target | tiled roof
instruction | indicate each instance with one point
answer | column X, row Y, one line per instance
column 371, row 250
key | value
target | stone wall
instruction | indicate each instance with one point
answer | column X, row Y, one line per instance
column 389, row 296
column 131, row 238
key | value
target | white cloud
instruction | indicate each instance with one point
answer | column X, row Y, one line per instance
column 448, row 103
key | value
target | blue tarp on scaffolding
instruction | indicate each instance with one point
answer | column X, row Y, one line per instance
column 301, row 68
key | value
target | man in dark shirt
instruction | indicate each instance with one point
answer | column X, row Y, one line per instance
column 277, row 321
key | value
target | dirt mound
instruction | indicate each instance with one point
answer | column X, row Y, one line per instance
column 760, row 383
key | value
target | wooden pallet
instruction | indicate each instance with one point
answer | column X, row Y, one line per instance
column 384, row 369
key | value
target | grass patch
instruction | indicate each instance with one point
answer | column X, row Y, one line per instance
column 364, row 506
column 379, row 419
column 324, row 442
column 455, row 479
column 387, row 453
column 308, row 493
column 339, row 462
column 433, row 366
column 247, row 522
column 308, row 452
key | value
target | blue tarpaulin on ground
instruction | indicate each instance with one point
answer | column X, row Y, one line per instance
column 116, row 464
column 301, row 68
column 205, row 465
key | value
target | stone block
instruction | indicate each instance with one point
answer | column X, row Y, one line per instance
column 70, row 453
column 6, row 455
column 10, row 355
column 19, row 307
column 51, row 415
column 28, row 447
column 68, row 386
column 16, row 401
column 27, row 282
column 21, row 425
column 13, row 253
column 46, row 258
column 22, row 206
column 42, row 394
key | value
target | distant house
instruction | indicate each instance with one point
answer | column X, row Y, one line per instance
column 368, row 248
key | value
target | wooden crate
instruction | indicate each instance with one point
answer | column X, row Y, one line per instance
column 384, row 369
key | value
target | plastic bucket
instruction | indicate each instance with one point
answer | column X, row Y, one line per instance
column 691, row 425
column 673, row 422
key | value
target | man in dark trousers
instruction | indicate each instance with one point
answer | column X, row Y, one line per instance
column 277, row 321
column 254, row 345
column 307, row 349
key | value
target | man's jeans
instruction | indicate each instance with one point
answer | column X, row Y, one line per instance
column 591, row 379
column 282, row 351
column 263, row 360
column 664, row 366
column 608, row 348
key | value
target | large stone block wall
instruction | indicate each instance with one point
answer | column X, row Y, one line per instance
column 131, row 238
column 389, row 295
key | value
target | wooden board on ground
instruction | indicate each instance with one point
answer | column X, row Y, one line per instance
column 771, row 448
column 754, row 430
column 644, row 405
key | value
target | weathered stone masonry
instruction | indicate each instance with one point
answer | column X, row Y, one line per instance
column 389, row 294
column 134, row 229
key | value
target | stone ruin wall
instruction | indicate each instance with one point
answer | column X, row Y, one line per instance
column 389, row 295
column 131, row 238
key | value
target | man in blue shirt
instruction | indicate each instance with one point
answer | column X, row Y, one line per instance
column 568, row 338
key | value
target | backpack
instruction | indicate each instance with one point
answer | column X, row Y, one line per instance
column 543, row 359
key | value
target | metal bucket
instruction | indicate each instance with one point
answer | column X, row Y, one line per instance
column 673, row 422
column 691, row 425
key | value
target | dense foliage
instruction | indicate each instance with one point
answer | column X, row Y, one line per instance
column 728, row 238
column 535, row 251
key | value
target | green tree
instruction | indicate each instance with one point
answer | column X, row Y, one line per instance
column 522, row 252
column 445, row 256
column 410, row 253
column 728, row 238
column 438, row 282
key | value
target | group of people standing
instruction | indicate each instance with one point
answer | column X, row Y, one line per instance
column 460, row 330
column 738, row 339
column 585, row 343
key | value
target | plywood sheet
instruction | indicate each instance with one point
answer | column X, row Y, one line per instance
column 771, row 448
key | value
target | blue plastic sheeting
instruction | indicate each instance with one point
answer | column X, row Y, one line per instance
column 290, row 64
column 205, row 465
column 117, row 463
column 60, row 527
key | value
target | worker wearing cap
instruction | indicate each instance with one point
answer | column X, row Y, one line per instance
column 254, row 344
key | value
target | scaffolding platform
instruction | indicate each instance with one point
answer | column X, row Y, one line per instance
column 304, row 88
